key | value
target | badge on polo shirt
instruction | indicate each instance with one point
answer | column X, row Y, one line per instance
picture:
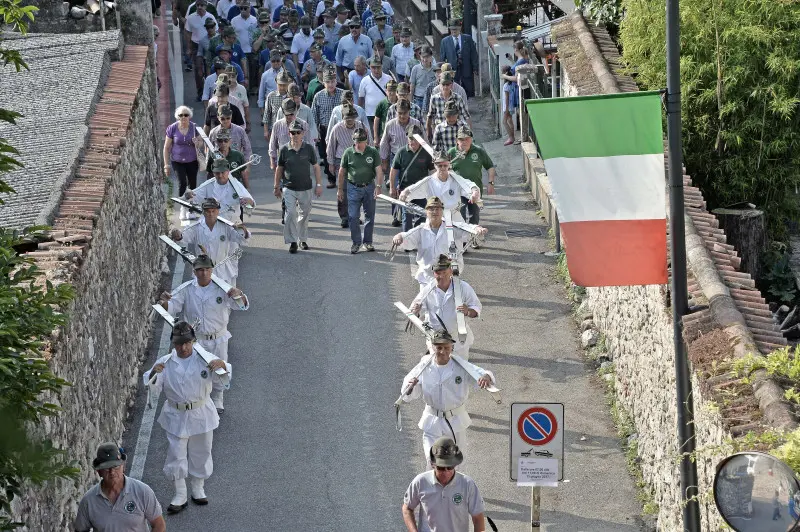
column 458, row 379
column 235, row 195
column 457, row 498
column 219, row 299
column 222, row 238
column 234, row 166
column 452, row 192
column 369, row 160
column 474, row 157
column 204, row 374
column 130, row 507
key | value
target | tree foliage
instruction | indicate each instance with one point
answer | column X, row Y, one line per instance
column 29, row 312
column 606, row 13
column 740, row 84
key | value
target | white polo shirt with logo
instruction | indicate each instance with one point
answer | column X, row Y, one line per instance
column 133, row 510
column 447, row 508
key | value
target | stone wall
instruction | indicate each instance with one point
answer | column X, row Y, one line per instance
column 637, row 325
column 99, row 351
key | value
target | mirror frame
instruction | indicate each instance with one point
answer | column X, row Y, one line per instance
column 727, row 459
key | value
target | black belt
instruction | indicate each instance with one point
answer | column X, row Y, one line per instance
column 359, row 185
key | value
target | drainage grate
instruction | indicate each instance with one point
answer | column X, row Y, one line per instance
column 524, row 233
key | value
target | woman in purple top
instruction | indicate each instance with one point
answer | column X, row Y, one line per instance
column 180, row 148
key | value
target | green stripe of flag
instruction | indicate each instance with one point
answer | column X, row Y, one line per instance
column 598, row 126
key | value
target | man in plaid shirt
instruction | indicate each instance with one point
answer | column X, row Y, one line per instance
column 457, row 89
column 321, row 109
column 404, row 93
column 436, row 111
column 273, row 102
column 445, row 134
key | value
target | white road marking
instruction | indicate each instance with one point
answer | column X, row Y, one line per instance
column 149, row 414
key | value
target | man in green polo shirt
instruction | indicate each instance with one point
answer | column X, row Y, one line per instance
column 295, row 161
column 361, row 172
column 468, row 161
column 411, row 165
column 235, row 158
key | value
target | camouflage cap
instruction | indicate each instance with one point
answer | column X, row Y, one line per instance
column 360, row 135
column 225, row 47
column 220, row 65
column 202, row 261
column 450, row 108
column 329, row 75
column 225, row 110
column 223, row 134
column 305, row 22
column 447, row 77
column 391, row 85
column 443, row 262
column 426, row 51
column 433, row 203
column 440, row 157
column 464, row 132
column 220, row 165
column 228, row 31
column 275, row 55
column 319, row 33
column 329, row 13
column 347, row 95
column 315, row 47
column 210, row 203
column 445, row 453
column 182, row 332
column 348, row 111
column 412, row 130
column 295, row 127
column 342, row 9
column 403, row 106
column 294, row 90
column 380, row 15
column 222, row 79
column 209, row 23
column 375, row 62
column 354, row 22
column 264, row 17
column 283, row 77
column 222, row 90
column 288, row 106
column 284, row 11
column 446, row 67
column 403, row 88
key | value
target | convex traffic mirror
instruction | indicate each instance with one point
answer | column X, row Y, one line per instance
column 756, row 492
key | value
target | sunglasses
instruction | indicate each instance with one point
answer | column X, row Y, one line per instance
column 183, row 115
column 226, row 118
column 295, row 133
column 444, row 468
column 223, row 140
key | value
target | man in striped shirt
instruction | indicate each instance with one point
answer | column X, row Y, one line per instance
column 401, row 53
column 280, row 131
column 341, row 138
column 303, row 113
column 404, row 93
column 393, row 140
column 273, row 102
column 436, row 112
column 322, row 107
column 445, row 134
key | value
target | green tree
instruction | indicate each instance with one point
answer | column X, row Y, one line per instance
column 29, row 312
column 740, row 84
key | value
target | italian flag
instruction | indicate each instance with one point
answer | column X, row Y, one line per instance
column 604, row 156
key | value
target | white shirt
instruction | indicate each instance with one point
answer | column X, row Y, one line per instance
column 218, row 242
column 196, row 24
column 223, row 6
column 244, row 28
column 446, row 508
column 301, row 43
column 208, row 304
column 228, row 195
column 371, row 93
column 449, row 191
column 321, row 7
column 186, row 381
column 431, row 243
column 437, row 302
column 401, row 54
column 443, row 388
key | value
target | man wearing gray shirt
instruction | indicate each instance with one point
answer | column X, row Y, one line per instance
column 117, row 503
column 448, row 500
column 421, row 76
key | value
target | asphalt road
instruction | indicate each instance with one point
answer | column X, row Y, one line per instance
column 308, row 440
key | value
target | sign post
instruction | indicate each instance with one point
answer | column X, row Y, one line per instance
column 536, row 456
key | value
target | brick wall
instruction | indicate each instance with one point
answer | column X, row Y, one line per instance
column 108, row 223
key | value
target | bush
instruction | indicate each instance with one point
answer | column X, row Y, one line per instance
column 740, row 82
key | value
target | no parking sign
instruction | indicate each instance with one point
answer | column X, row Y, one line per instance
column 537, row 431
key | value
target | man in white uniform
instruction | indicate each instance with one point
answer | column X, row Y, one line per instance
column 215, row 239
column 448, row 500
column 206, row 304
column 446, row 185
column 430, row 240
column 188, row 416
column 229, row 191
column 437, row 301
column 444, row 385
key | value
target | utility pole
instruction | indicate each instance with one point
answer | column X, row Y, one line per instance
column 686, row 435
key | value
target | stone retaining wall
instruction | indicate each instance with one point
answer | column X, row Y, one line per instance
column 99, row 351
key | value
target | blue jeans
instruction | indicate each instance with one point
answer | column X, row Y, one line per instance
column 419, row 100
column 470, row 211
column 356, row 197
column 411, row 220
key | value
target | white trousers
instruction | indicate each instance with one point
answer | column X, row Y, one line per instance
column 298, row 207
column 189, row 456
column 217, row 347
column 428, row 439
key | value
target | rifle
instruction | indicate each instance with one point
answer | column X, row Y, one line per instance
column 190, row 258
column 195, row 208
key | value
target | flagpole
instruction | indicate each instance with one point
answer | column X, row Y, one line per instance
column 686, row 435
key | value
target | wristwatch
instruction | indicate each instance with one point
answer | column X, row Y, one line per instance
column 491, row 183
